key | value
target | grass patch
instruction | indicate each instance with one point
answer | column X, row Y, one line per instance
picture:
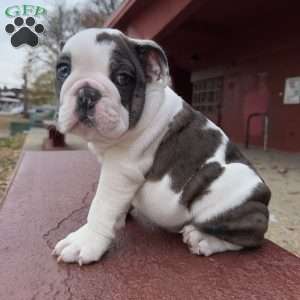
column 10, row 149
column 14, row 142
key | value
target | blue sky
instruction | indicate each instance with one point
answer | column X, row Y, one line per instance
column 12, row 59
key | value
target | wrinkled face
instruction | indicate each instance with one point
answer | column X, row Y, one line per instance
column 101, row 80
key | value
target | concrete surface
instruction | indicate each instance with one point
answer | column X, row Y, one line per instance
column 281, row 171
column 50, row 196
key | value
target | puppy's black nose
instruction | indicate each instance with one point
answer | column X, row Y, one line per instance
column 88, row 97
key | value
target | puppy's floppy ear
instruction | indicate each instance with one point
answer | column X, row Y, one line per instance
column 153, row 60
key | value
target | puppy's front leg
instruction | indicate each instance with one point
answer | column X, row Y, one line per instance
column 117, row 185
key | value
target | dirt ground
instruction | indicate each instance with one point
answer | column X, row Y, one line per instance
column 6, row 120
column 281, row 171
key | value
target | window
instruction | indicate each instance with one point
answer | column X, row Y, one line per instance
column 207, row 94
column 292, row 91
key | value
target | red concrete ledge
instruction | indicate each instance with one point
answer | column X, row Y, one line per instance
column 50, row 195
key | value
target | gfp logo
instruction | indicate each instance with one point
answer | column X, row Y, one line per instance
column 24, row 30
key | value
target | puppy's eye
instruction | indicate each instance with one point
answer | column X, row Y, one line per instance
column 63, row 70
column 123, row 79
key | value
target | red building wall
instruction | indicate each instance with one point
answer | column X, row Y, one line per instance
column 258, row 86
column 255, row 42
column 257, row 60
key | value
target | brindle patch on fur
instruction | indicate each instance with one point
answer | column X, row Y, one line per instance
column 133, row 59
column 124, row 59
column 184, row 149
column 244, row 225
column 198, row 185
column 234, row 155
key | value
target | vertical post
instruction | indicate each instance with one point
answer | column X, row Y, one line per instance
column 247, row 132
column 266, row 132
column 25, row 95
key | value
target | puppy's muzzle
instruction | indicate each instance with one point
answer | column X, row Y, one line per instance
column 87, row 98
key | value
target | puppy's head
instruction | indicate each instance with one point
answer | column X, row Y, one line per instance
column 101, row 78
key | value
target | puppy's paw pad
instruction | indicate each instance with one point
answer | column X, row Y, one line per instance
column 82, row 246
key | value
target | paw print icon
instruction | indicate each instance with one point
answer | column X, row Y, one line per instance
column 22, row 34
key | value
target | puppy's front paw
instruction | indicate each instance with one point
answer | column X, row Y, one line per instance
column 82, row 246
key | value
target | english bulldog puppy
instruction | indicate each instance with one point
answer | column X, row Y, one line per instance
column 158, row 154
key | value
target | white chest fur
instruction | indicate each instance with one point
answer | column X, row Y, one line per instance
column 160, row 204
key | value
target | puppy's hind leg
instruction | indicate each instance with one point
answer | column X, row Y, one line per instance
column 200, row 243
column 233, row 215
